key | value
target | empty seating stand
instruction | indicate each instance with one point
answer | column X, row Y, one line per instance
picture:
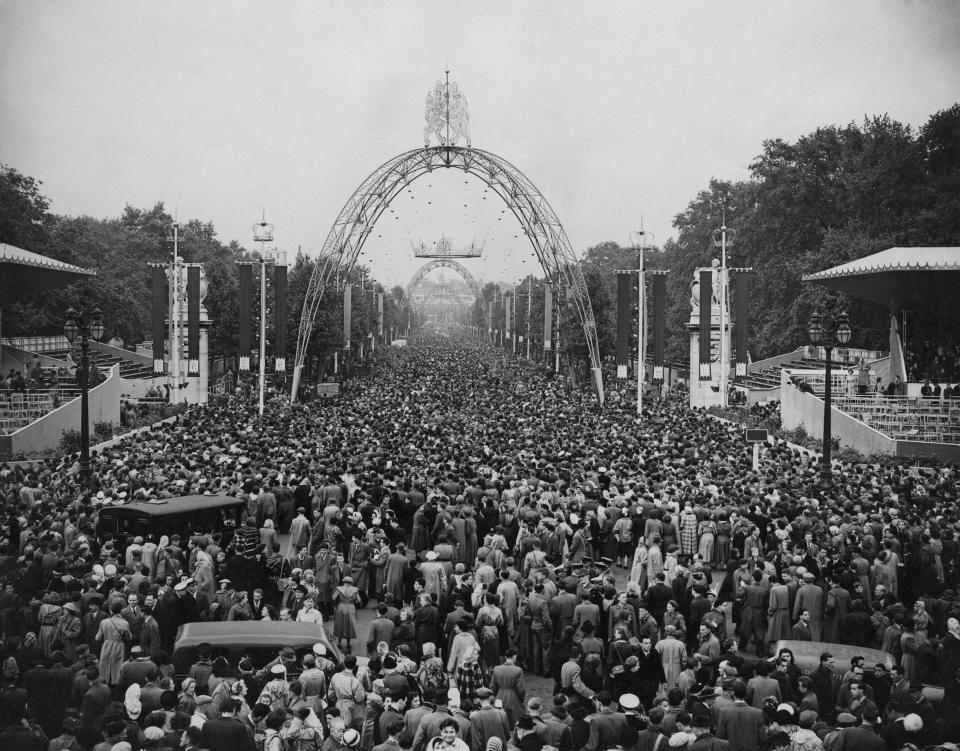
column 906, row 418
column 769, row 378
column 103, row 361
column 20, row 408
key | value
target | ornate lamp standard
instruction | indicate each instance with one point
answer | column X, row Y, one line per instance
column 85, row 326
column 827, row 330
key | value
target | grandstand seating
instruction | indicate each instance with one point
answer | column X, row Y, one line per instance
column 769, row 378
column 18, row 409
column 103, row 361
column 906, row 418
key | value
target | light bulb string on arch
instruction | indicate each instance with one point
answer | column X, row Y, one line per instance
column 367, row 203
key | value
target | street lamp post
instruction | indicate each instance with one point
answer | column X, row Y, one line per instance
column 263, row 233
column 827, row 330
column 176, row 320
column 85, row 326
column 725, row 240
column 641, row 317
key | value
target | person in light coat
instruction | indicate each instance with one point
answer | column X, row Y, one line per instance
column 673, row 655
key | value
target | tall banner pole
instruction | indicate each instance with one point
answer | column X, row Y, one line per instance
column 159, row 289
column 507, row 305
column 529, row 309
column 659, row 290
column 741, row 282
column 280, row 318
column 706, row 322
column 622, row 356
column 347, row 306
column 547, row 317
column 245, row 272
column 193, row 320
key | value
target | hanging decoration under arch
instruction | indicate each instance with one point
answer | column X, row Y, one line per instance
column 447, row 127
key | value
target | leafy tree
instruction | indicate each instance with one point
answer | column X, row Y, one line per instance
column 23, row 210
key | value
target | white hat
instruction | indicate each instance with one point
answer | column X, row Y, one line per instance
column 278, row 669
column 319, row 649
column 629, row 701
column 431, row 555
column 180, row 587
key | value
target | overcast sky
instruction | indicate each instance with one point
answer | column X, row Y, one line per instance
column 614, row 110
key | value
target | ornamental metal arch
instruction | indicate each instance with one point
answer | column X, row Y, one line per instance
column 361, row 212
column 437, row 263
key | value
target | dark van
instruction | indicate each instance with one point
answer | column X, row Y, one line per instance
column 261, row 641
column 169, row 516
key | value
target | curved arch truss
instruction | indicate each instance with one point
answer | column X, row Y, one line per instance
column 438, row 263
column 361, row 212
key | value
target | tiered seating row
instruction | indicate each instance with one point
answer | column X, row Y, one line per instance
column 18, row 408
column 906, row 418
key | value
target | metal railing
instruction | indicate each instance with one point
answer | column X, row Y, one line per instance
column 58, row 343
column 845, row 355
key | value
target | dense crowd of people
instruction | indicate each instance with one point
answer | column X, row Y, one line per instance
column 933, row 357
column 508, row 535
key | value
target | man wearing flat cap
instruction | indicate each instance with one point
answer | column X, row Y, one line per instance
column 487, row 722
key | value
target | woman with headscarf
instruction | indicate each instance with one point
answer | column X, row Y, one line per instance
column 167, row 562
column 950, row 652
column 707, row 531
column 911, row 652
column 205, row 577
column 48, row 616
column 469, row 677
column 268, row 536
column 187, row 699
column 132, row 707
column 922, row 622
